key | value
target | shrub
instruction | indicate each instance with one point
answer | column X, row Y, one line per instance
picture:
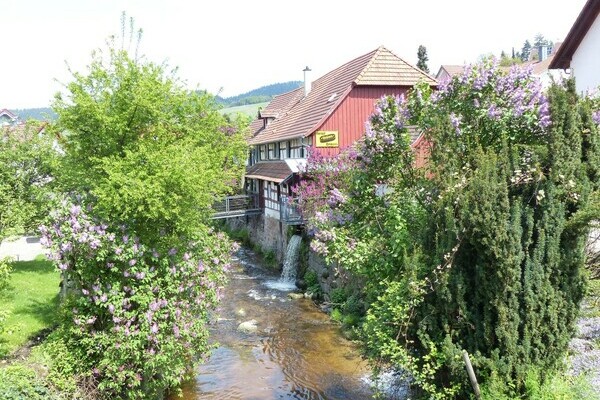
column 134, row 317
column 5, row 270
column 482, row 249
column 338, row 297
column 21, row 383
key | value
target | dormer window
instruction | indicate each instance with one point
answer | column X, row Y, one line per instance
column 267, row 121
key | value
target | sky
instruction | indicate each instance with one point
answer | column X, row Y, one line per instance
column 229, row 47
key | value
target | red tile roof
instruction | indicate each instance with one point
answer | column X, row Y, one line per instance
column 539, row 67
column 303, row 115
column 582, row 24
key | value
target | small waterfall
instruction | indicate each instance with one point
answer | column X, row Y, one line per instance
column 287, row 280
column 290, row 264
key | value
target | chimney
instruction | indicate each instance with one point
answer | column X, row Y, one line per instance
column 542, row 52
column 306, row 81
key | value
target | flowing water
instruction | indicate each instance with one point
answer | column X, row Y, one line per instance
column 287, row 281
column 295, row 352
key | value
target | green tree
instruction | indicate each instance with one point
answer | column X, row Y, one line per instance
column 525, row 51
column 145, row 159
column 481, row 251
column 153, row 155
column 422, row 59
column 27, row 164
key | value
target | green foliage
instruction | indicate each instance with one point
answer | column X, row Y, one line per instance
column 422, row 59
column 555, row 387
column 135, row 319
column 27, row 163
column 312, row 282
column 338, row 297
column 154, row 155
column 21, row 383
column 61, row 364
column 481, row 250
column 148, row 158
column 336, row 315
column 5, row 270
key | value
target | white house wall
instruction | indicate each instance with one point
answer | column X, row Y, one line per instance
column 586, row 60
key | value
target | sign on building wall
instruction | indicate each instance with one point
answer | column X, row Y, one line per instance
column 327, row 139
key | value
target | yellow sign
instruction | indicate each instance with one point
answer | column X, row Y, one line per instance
column 327, row 139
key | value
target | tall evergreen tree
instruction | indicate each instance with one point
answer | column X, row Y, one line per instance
column 526, row 51
column 422, row 59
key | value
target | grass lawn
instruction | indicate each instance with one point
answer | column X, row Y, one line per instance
column 31, row 301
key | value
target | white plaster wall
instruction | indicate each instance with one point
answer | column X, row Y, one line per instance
column 586, row 60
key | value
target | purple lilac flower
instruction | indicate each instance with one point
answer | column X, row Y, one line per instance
column 75, row 210
column 118, row 251
column 140, row 275
column 493, row 112
column 172, row 251
column 186, row 256
column 596, row 117
column 455, row 120
column 132, row 262
column 111, row 308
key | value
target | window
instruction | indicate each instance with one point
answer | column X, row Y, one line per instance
column 262, row 150
column 283, row 152
column 273, row 151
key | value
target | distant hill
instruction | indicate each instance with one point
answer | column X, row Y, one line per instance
column 41, row 114
column 231, row 105
column 261, row 95
column 251, row 110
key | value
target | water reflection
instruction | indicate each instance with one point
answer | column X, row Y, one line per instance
column 295, row 352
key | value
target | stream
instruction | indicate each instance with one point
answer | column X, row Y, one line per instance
column 296, row 352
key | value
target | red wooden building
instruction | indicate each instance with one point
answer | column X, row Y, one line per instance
column 327, row 115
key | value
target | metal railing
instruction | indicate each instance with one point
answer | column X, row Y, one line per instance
column 237, row 206
column 289, row 211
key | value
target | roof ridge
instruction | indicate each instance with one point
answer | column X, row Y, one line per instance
column 413, row 66
column 370, row 63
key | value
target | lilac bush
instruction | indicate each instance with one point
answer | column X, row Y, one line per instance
column 135, row 315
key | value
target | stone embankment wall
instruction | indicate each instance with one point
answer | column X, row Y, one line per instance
column 270, row 235
column 263, row 231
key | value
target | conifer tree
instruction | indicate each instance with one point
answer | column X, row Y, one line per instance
column 422, row 59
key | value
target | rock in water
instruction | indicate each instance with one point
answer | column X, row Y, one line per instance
column 248, row 326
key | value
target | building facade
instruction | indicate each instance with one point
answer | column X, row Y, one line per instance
column 325, row 116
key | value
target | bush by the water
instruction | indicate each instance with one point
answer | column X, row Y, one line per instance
column 482, row 248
